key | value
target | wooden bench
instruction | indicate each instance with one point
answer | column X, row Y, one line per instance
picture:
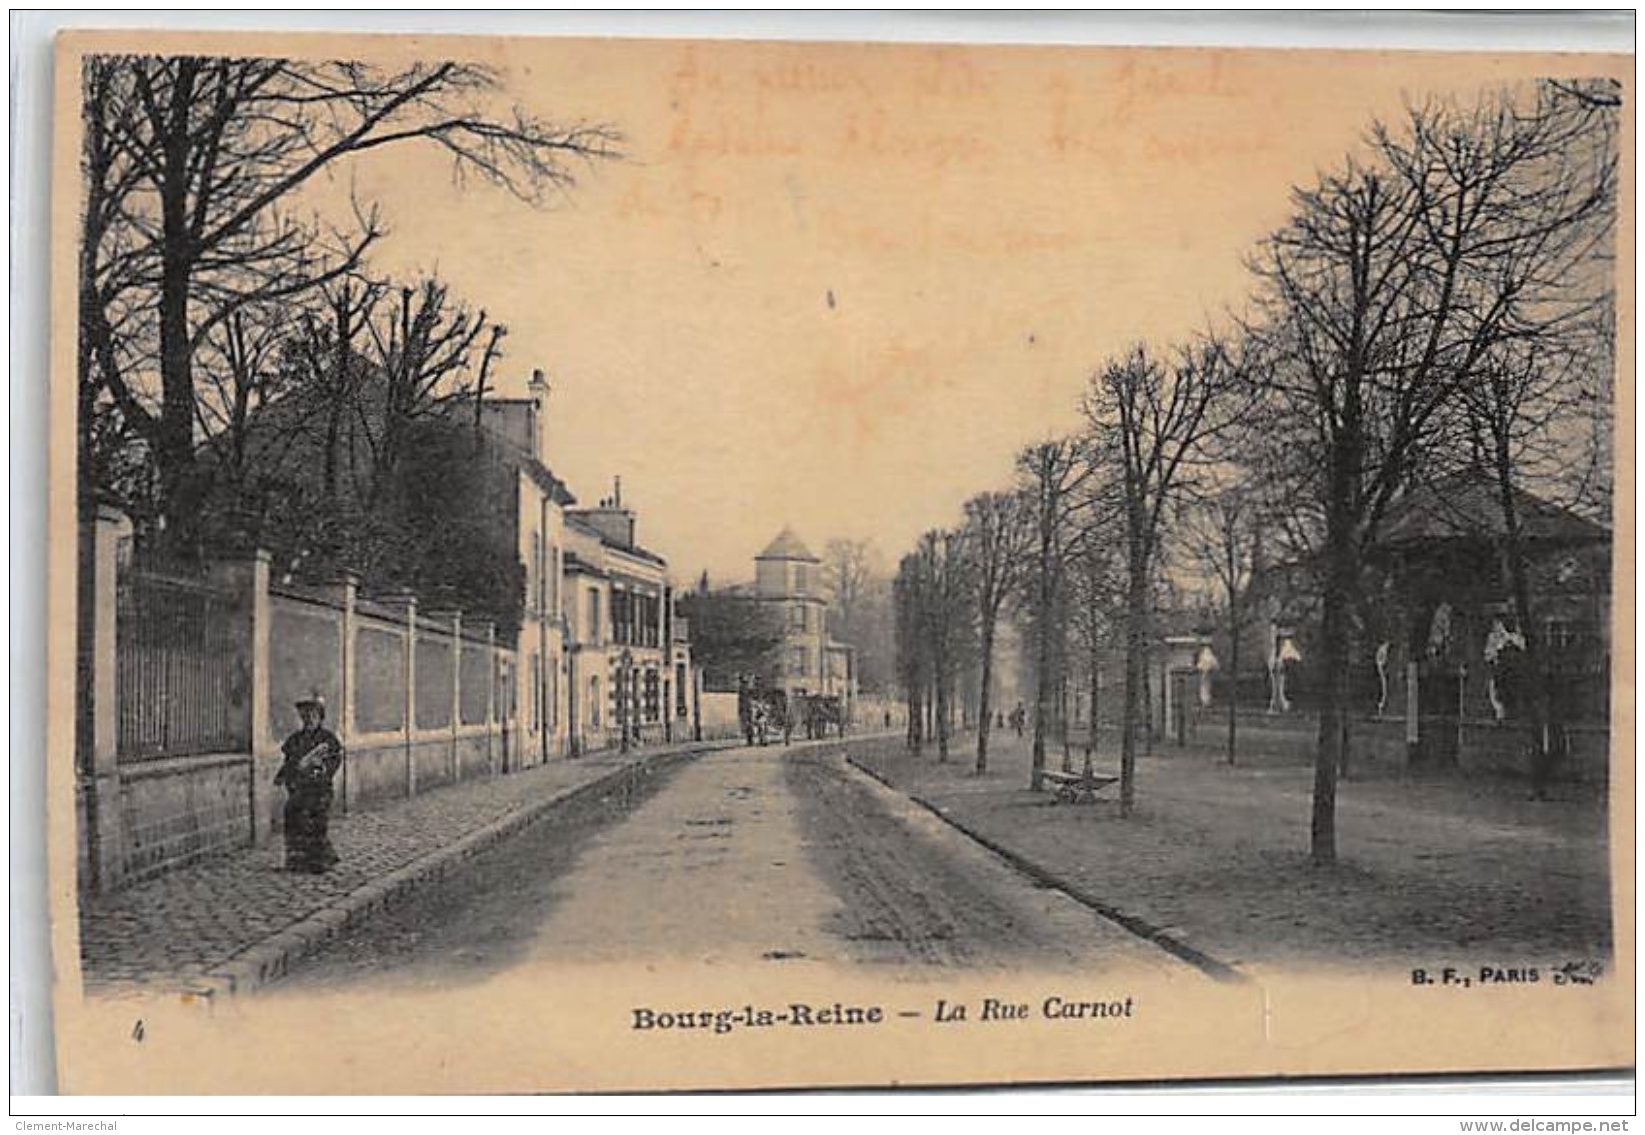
column 1076, row 787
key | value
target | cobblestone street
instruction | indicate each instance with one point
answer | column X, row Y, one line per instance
column 161, row 933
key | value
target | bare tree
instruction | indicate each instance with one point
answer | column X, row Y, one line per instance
column 1220, row 533
column 999, row 535
column 1382, row 298
column 1052, row 475
column 1097, row 599
column 1535, row 389
column 1149, row 422
column 911, row 603
column 848, row 572
column 947, row 570
column 191, row 166
column 335, row 367
column 242, row 367
column 424, row 348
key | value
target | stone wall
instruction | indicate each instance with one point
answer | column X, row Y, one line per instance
column 175, row 812
column 414, row 699
column 719, row 716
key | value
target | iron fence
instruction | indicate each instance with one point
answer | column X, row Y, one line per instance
column 182, row 681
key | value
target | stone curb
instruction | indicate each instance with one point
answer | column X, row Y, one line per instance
column 1205, row 963
column 270, row 959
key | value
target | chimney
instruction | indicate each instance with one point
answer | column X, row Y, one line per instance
column 538, row 388
column 611, row 518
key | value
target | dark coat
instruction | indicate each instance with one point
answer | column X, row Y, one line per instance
column 316, row 778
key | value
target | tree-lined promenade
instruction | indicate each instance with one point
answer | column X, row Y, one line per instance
column 1435, row 872
column 1440, row 304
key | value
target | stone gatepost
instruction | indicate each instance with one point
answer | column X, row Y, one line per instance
column 105, row 831
column 246, row 581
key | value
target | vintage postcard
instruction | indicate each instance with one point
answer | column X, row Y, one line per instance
column 621, row 564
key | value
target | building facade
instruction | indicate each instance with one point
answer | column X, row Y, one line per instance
column 787, row 576
column 600, row 658
column 628, row 658
column 535, row 694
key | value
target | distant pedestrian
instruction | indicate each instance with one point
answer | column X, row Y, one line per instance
column 1019, row 718
column 313, row 755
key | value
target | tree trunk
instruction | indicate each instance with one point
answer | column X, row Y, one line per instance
column 1136, row 677
column 983, row 699
column 1062, row 720
column 944, row 699
column 1334, row 629
column 1042, row 668
column 339, row 386
column 1323, row 831
column 1096, row 693
column 175, row 452
column 1148, row 727
column 1233, row 690
column 1541, row 722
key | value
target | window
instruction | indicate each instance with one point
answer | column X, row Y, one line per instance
column 1563, row 634
column 646, row 609
column 802, row 579
column 551, row 585
column 653, row 699
column 679, row 689
column 796, row 660
column 535, row 701
column 796, row 618
column 622, row 615
column 594, row 616
column 534, row 582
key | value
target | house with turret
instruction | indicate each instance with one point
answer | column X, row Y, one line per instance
column 788, row 577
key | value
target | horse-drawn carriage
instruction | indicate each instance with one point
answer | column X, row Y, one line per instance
column 822, row 712
column 765, row 713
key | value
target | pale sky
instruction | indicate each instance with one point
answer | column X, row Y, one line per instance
column 838, row 286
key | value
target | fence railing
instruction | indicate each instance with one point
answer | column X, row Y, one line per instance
column 182, row 677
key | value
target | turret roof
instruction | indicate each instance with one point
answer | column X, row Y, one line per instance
column 787, row 546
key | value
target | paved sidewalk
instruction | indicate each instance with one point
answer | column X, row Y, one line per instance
column 227, row 923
